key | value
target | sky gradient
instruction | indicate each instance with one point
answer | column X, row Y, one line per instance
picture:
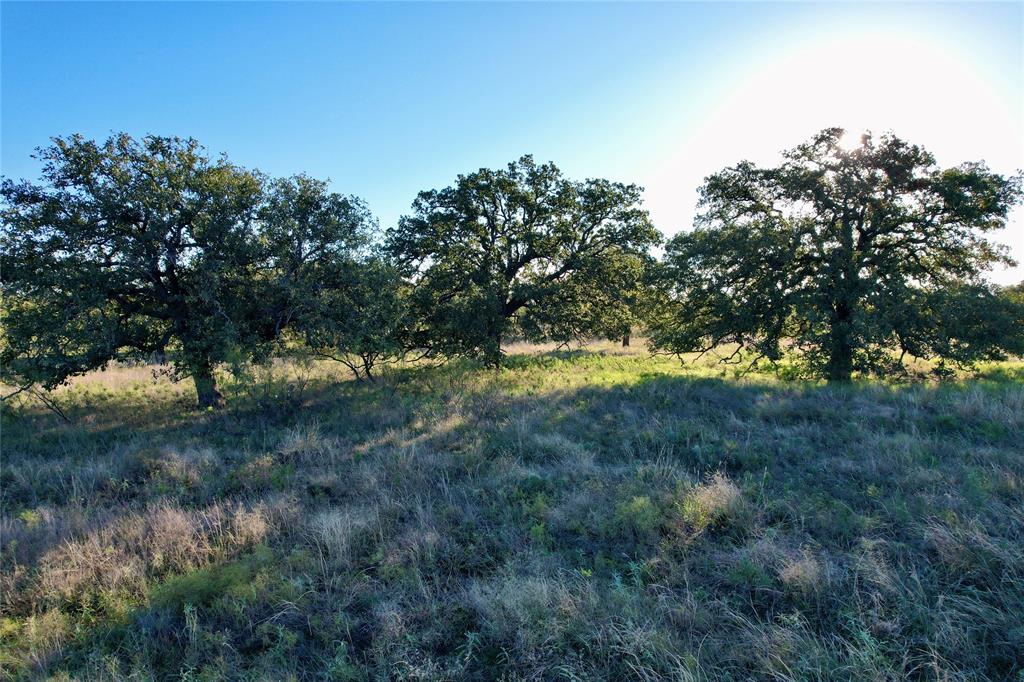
column 388, row 99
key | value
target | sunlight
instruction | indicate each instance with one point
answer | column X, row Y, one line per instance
column 851, row 140
column 782, row 102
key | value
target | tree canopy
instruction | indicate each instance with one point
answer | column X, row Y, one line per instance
column 848, row 254
column 498, row 244
column 130, row 247
column 358, row 315
column 607, row 298
column 855, row 257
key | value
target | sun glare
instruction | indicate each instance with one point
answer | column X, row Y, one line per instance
column 850, row 140
column 809, row 87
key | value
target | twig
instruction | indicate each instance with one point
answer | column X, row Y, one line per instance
column 27, row 387
column 49, row 403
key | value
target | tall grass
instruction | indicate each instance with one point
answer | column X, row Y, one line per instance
column 592, row 514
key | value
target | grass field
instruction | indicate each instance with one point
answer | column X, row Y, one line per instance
column 588, row 515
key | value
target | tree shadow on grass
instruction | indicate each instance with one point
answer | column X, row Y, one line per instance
column 838, row 466
column 357, row 409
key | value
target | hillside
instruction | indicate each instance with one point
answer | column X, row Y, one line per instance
column 593, row 514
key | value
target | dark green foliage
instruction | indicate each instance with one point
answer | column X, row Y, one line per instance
column 501, row 245
column 134, row 247
column 847, row 253
column 962, row 324
column 607, row 299
column 311, row 235
column 359, row 316
column 341, row 301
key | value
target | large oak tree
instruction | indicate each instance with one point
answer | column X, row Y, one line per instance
column 857, row 256
column 130, row 247
column 499, row 244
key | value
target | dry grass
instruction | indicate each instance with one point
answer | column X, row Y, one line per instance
column 590, row 514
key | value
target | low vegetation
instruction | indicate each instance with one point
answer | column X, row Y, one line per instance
column 594, row 514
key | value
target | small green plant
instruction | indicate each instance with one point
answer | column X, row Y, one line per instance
column 747, row 573
column 200, row 588
column 340, row 667
column 539, row 535
column 638, row 516
column 31, row 518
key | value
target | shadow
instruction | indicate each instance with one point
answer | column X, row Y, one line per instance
column 564, row 457
column 343, row 408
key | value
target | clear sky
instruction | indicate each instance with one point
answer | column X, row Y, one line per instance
column 387, row 99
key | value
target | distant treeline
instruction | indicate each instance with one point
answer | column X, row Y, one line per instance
column 854, row 258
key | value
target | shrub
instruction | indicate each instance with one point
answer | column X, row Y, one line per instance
column 715, row 504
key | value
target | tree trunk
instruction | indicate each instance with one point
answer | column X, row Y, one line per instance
column 206, row 388
column 840, row 360
column 840, row 368
column 846, row 291
column 368, row 363
column 493, row 355
column 625, row 341
column 492, row 350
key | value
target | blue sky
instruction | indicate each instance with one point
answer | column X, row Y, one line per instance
column 390, row 98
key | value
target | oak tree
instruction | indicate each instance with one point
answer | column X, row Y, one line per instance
column 607, row 298
column 130, row 247
column 357, row 314
column 500, row 243
column 854, row 256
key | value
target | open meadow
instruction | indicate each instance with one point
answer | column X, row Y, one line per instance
column 512, row 341
column 590, row 514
